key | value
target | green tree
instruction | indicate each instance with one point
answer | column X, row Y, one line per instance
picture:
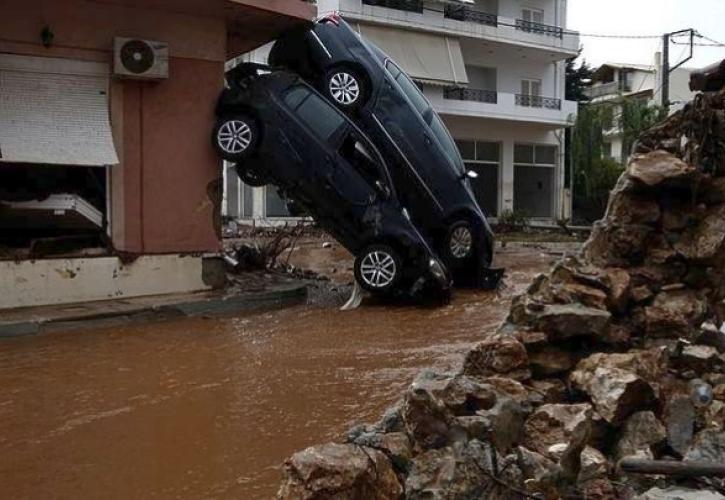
column 636, row 116
column 577, row 79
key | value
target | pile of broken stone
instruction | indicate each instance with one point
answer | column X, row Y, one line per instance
column 617, row 352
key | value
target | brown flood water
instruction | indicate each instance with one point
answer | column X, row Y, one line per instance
column 210, row 408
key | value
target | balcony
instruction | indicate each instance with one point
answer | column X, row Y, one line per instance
column 487, row 104
column 403, row 5
column 467, row 14
column 475, row 95
column 540, row 29
column 607, row 89
column 537, row 101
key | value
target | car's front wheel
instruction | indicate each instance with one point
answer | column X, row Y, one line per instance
column 460, row 241
column 378, row 269
column 235, row 137
column 345, row 88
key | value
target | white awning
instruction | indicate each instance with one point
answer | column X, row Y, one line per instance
column 425, row 57
column 54, row 112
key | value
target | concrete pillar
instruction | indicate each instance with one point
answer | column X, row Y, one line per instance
column 258, row 203
column 506, row 194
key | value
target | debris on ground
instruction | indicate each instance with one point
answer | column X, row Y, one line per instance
column 616, row 354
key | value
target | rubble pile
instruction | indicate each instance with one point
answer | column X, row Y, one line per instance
column 617, row 352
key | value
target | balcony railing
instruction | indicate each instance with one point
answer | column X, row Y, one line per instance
column 405, row 5
column 462, row 13
column 605, row 89
column 536, row 101
column 541, row 29
column 478, row 95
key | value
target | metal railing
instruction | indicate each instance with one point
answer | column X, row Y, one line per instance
column 462, row 13
column 541, row 29
column 603, row 89
column 536, row 101
column 464, row 94
column 404, row 5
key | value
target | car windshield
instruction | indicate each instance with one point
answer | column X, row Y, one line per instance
column 449, row 146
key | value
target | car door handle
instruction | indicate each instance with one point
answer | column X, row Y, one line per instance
column 427, row 140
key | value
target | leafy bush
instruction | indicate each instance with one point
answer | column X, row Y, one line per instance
column 511, row 220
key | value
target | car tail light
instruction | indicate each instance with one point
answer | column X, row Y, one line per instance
column 332, row 17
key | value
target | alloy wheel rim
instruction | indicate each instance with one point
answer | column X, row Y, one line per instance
column 378, row 269
column 344, row 88
column 234, row 136
column 461, row 242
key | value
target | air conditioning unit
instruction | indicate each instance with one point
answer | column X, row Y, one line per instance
column 140, row 59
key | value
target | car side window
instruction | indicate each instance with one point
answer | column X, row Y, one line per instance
column 449, row 146
column 314, row 111
column 409, row 88
column 360, row 157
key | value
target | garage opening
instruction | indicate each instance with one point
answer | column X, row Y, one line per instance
column 534, row 178
column 484, row 158
column 55, row 150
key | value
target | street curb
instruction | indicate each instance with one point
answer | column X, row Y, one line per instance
column 215, row 306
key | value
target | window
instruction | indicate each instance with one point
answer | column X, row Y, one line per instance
column 320, row 116
column 275, row 205
column 534, row 178
column 533, row 16
column 531, row 87
column 441, row 132
column 361, row 158
column 485, row 159
column 410, row 89
column 606, row 150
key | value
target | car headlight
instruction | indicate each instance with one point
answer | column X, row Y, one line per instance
column 436, row 269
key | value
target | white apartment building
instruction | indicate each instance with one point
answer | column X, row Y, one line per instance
column 495, row 71
column 614, row 81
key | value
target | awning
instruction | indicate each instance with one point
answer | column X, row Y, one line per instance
column 428, row 58
column 54, row 112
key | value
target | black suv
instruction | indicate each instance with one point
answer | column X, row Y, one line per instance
column 426, row 166
column 279, row 130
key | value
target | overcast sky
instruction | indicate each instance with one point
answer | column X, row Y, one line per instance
column 646, row 17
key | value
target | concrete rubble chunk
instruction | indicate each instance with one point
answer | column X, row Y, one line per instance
column 639, row 434
column 679, row 493
column 340, row 471
column 680, row 422
column 553, row 423
column 615, row 393
column 498, row 356
column 659, row 168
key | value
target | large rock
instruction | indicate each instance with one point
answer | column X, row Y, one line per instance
column 617, row 244
column 659, row 168
column 618, row 283
column 339, row 471
column 563, row 321
column 500, row 355
column 685, row 302
column 594, row 464
column 553, row 423
column 639, row 434
column 461, row 471
column 395, row 445
column 679, row 493
column 704, row 240
column 616, row 393
column 709, row 446
column 650, row 364
column 551, row 361
column 661, row 322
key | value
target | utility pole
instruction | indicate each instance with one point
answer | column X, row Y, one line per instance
column 666, row 68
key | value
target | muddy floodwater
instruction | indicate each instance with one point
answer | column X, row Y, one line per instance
column 210, row 408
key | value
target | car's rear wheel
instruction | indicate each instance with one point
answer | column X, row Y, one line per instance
column 345, row 88
column 235, row 137
column 251, row 177
column 460, row 241
column 378, row 268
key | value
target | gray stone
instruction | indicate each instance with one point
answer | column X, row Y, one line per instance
column 659, row 168
column 562, row 321
column 679, row 493
column 709, row 446
column 639, row 433
column 594, row 464
column 500, row 355
column 680, row 422
column 553, row 423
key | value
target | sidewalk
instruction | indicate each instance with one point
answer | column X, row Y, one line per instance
column 30, row 321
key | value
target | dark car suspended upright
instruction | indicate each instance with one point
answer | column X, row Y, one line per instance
column 279, row 130
column 426, row 166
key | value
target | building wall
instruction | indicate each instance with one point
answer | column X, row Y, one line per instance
column 159, row 192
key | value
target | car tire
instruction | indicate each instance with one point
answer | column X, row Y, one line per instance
column 345, row 88
column 251, row 177
column 460, row 244
column 378, row 269
column 235, row 137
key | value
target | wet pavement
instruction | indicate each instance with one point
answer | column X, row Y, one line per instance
column 209, row 408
